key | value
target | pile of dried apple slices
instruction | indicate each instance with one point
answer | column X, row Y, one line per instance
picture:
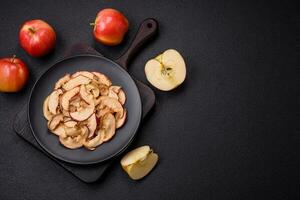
column 85, row 109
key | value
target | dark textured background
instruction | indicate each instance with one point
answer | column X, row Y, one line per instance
column 229, row 132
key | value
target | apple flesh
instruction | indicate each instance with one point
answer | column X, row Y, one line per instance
column 110, row 27
column 13, row 74
column 139, row 162
column 167, row 71
column 37, row 37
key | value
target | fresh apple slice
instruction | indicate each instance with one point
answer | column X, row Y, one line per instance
column 92, row 125
column 139, row 162
column 84, row 113
column 55, row 121
column 47, row 114
column 70, row 142
column 122, row 97
column 102, row 78
column 62, row 81
column 121, row 121
column 65, row 100
column 74, row 82
column 54, row 101
column 108, row 127
column 166, row 72
column 83, row 73
column 113, row 104
column 60, row 131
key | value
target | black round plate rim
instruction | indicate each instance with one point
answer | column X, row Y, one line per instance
column 90, row 162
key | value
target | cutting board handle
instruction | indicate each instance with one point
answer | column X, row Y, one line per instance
column 147, row 30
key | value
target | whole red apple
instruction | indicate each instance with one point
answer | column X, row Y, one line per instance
column 110, row 27
column 37, row 37
column 13, row 74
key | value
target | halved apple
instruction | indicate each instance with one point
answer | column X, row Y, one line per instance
column 102, row 78
column 65, row 100
column 74, row 82
column 167, row 71
column 139, row 162
column 62, row 81
column 54, row 101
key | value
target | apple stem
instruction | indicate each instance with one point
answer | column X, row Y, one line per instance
column 13, row 58
column 31, row 30
column 92, row 24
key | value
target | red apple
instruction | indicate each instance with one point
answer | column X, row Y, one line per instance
column 110, row 27
column 37, row 37
column 13, row 74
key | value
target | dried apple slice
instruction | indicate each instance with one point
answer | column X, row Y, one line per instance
column 115, row 88
column 102, row 78
column 122, row 97
column 112, row 94
column 47, row 114
column 62, row 81
column 65, row 100
column 84, row 95
column 83, row 73
column 55, row 121
column 101, row 112
column 74, row 82
column 113, row 104
column 92, row 125
column 70, row 124
column 84, row 113
column 60, row 131
column 93, row 143
column 71, row 143
column 93, row 89
column 108, row 127
column 121, row 121
column 72, row 131
column 54, row 101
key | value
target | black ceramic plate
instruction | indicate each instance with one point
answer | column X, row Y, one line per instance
column 44, row 86
column 116, row 71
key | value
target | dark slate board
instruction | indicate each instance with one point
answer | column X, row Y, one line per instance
column 86, row 173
